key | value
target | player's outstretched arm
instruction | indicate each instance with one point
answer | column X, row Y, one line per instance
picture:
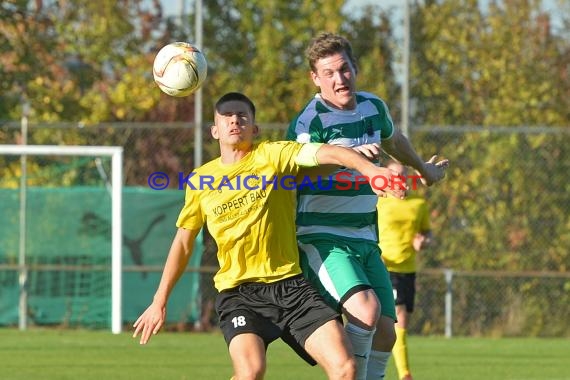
column 370, row 151
column 382, row 180
column 399, row 147
column 152, row 319
column 433, row 170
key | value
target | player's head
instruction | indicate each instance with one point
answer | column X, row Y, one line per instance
column 235, row 97
column 396, row 167
column 326, row 44
column 333, row 69
column 234, row 119
column 399, row 170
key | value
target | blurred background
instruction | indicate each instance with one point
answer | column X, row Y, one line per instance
column 485, row 84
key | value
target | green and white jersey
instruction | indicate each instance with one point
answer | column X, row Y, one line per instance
column 340, row 204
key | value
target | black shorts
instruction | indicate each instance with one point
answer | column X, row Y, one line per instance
column 289, row 309
column 404, row 285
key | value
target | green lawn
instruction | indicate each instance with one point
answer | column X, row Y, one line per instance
column 100, row 355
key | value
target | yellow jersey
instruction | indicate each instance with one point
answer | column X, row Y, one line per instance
column 251, row 219
column 399, row 220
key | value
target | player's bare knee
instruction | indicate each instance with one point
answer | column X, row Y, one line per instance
column 249, row 368
column 362, row 310
column 372, row 314
column 391, row 339
column 342, row 369
column 386, row 344
column 385, row 336
column 350, row 368
column 250, row 374
column 369, row 320
column 364, row 317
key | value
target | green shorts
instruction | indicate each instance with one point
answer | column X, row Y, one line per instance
column 339, row 269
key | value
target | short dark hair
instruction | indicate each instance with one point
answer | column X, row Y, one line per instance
column 231, row 96
column 327, row 44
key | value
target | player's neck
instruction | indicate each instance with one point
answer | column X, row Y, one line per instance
column 230, row 154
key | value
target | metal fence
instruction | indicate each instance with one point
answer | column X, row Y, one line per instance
column 472, row 303
column 491, row 303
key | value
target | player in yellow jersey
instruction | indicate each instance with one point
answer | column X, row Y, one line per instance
column 249, row 210
column 404, row 229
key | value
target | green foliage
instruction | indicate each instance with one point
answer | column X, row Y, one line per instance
column 504, row 204
column 495, row 66
column 96, row 59
column 257, row 47
column 374, row 46
column 75, row 61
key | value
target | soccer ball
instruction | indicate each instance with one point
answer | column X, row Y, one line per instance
column 179, row 69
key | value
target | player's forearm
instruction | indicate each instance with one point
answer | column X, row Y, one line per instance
column 315, row 172
column 176, row 262
column 335, row 155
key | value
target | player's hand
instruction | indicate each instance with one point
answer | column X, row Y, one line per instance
column 370, row 151
column 418, row 242
column 150, row 322
column 433, row 171
column 386, row 182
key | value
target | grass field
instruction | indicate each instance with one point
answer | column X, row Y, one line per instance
column 67, row 354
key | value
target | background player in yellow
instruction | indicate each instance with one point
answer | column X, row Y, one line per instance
column 404, row 229
column 262, row 292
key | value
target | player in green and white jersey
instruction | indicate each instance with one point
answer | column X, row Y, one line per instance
column 336, row 219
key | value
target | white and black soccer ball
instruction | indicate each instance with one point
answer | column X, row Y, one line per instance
column 179, row 69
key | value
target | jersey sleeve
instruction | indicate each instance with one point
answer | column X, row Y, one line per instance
column 307, row 156
column 191, row 216
column 283, row 156
column 387, row 127
column 305, row 128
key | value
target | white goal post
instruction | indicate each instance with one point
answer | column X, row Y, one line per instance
column 116, row 154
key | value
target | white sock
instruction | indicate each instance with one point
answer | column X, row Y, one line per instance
column 377, row 363
column 361, row 341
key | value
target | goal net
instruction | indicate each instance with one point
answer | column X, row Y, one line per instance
column 60, row 257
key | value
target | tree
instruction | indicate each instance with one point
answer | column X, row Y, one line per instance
column 80, row 61
column 496, row 210
column 257, row 47
column 486, row 67
column 375, row 48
